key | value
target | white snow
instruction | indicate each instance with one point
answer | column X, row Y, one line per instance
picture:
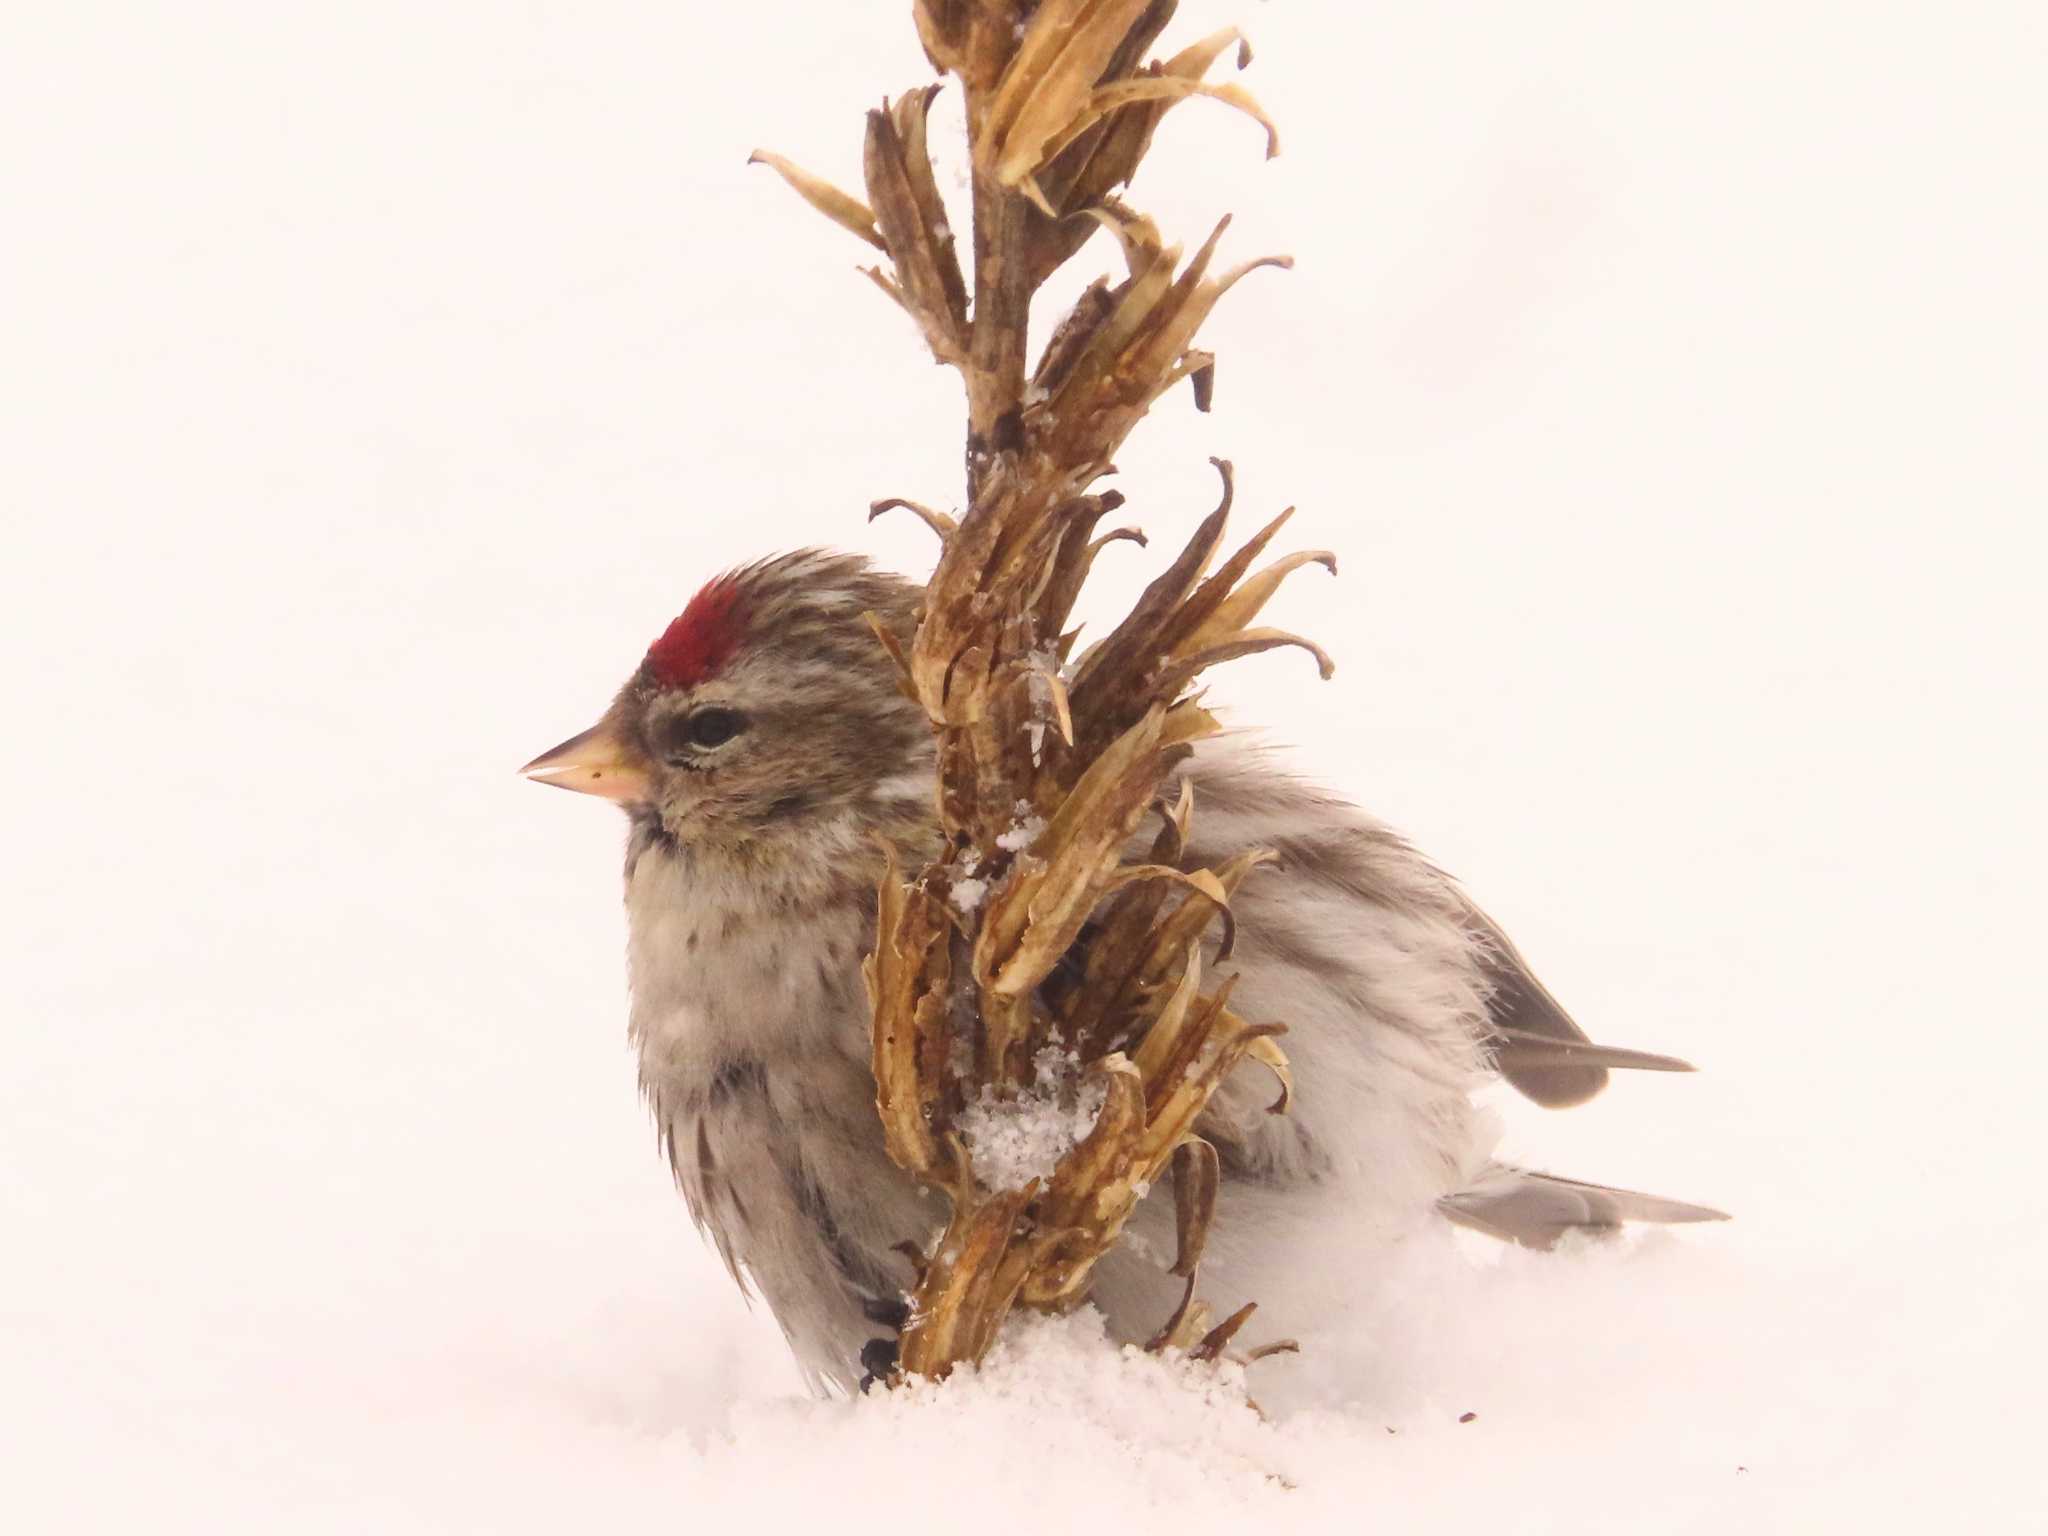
column 1022, row 833
column 1030, row 1432
column 1022, row 1137
column 381, row 378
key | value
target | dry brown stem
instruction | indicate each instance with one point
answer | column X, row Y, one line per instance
column 1048, row 949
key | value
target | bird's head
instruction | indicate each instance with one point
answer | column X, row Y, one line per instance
column 765, row 714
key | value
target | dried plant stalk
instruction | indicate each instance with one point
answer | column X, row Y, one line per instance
column 1038, row 946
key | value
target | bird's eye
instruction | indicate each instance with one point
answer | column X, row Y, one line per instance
column 712, row 727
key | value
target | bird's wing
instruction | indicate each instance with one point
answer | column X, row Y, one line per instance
column 1535, row 1043
column 1536, row 1209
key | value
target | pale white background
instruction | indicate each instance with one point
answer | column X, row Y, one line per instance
column 379, row 378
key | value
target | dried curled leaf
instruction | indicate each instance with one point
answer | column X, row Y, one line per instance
column 1063, row 53
column 1269, row 1055
column 1145, row 345
column 1123, row 95
column 906, row 979
column 911, row 222
column 842, row 208
column 1185, row 1328
column 1196, row 1173
column 938, row 522
column 1101, row 158
column 1217, row 1339
column 1038, row 914
column 1242, row 605
column 942, row 29
column 1062, row 84
column 971, row 1285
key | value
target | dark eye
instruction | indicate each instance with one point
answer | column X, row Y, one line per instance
column 712, row 727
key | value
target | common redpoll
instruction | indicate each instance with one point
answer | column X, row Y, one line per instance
column 758, row 751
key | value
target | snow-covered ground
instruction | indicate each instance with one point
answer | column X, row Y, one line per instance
column 379, row 378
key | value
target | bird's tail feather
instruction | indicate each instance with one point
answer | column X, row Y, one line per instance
column 1520, row 1054
column 1537, row 1209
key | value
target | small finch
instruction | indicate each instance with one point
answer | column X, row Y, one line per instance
column 762, row 752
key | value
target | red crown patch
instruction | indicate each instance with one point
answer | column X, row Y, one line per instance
column 702, row 639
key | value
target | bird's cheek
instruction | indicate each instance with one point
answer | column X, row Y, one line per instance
column 689, row 800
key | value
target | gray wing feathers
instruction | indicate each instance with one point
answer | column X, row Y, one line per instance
column 1537, row 1047
column 1536, row 1209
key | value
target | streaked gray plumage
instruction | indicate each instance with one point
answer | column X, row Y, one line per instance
column 750, row 877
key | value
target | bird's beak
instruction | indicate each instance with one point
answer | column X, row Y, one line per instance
column 598, row 762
